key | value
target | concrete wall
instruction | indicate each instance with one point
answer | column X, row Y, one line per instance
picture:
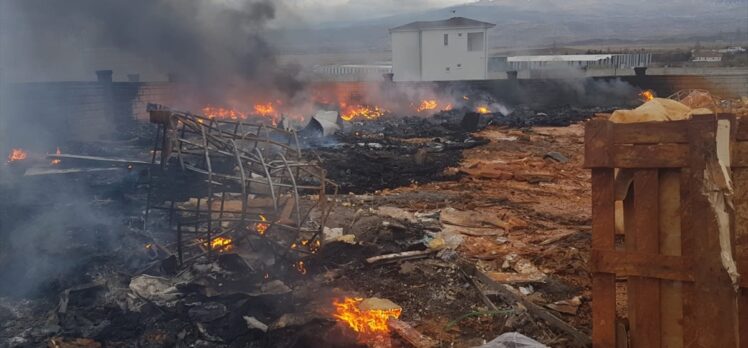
column 55, row 113
column 406, row 56
column 452, row 62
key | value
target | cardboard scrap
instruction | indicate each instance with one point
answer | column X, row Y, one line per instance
column 570, row 306
column 655, row 110
column 718, row 190
column 451, row 216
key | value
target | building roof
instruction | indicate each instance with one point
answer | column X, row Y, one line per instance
column 561, row 58
column 454, row 22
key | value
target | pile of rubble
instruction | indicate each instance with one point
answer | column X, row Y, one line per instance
column 471, row 229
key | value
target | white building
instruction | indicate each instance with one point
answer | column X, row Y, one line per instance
column 447, row 50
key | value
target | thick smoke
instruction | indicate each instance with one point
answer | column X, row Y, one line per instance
column 215, row 45
column 216, row 48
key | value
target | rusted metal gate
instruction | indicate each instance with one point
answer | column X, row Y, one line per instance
column 656, row 241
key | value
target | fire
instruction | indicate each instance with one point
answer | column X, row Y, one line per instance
column 483, row 109
column 366, row 323
column 449, row 107
column 647, row 95
column 299, row 265
column 17, row 155
column 266, row 109
column 57, row 161
column 223, row 113
column 222, row 244
column 425, row 105
column 262, row 227
column 361, row 111
column 312, row 246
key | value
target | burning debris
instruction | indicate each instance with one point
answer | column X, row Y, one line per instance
column 17, row 155
column 240, row 239
column 253, row 179
column 647, row 95
column 350, row 113
column 368, row 318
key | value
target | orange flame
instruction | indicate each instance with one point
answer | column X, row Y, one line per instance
column 266, row 109
column 312, row 246
column 429, row 104
column 17, row 155
column 262, row 227
column 367, row 324
column 647, row 95
column 222, row 244
column 483, row 109
column 449, row 107
column 299, row 265
column 223, row 113
column 57, row 161
column 361, row 111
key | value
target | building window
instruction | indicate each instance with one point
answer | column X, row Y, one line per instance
column 446, row 39
column 447, row 68
column 459, row 65
column 459, row 34
column 475, row 42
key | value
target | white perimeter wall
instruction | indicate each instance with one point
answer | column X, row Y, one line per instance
column 406, row 56
column 436, row 57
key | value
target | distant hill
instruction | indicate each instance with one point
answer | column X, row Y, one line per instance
column 540, row 22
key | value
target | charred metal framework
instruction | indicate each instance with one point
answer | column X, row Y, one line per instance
column 251, row 183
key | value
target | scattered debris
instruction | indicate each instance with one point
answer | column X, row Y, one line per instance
column 556, row 156
column 253, row 323
column 405, row 255
column 513, row 340
column 566, row 306
column 415, row 338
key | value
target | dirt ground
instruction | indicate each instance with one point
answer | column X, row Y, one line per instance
column 543, row 207
column 516, row 207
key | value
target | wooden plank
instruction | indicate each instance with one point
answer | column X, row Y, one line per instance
column 597, row 143
column 603, row 238
column 671, row 295
column 411, row 335
column 740, row 154
column 742, row 132
column 650, row 132
column 644, row 293
column 740, row 199
column 687, row 248
column 638, row 264
column 711, row 307
column 649, row 156
column 123, row 161
column 512, row 297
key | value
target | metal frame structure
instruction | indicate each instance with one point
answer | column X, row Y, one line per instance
column 256, row 166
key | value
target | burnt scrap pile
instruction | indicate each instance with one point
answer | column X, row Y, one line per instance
column 392, row 151
column 226, row 182
column 229, row 237
column 232, row 214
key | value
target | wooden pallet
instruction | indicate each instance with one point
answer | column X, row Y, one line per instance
column 678, row 293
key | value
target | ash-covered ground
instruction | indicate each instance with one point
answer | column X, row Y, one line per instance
column 508, row 197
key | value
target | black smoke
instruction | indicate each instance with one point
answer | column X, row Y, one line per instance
column 218, row 45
